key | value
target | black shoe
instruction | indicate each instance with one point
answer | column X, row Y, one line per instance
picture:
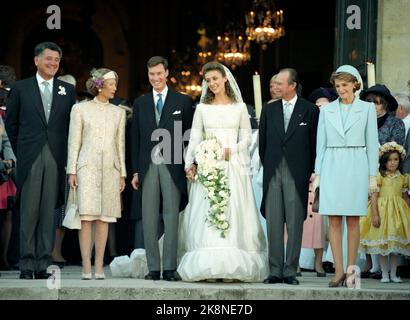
column 26, row 274
column 298, row 274
column 153, row 275
column 291, row 280
column 328, row 267
column 41, row 275
column 170, row 275
column 273, row 279
column 375, row 275
column 365, row 274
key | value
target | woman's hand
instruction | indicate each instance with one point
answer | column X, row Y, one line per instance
column 316, row 182
column 227, row 154
column 376, row 221
column 191, row 172
column 72, row 181
column 122, row 184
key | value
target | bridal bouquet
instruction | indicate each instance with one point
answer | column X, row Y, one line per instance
column 211, row 173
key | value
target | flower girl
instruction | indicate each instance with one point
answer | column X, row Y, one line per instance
column 386, row 228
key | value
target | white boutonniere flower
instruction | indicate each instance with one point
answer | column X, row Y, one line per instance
column 62, row 91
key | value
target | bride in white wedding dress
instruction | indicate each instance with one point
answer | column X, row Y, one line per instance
column 242, row 253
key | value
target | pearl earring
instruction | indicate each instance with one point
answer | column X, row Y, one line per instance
column 99, row 90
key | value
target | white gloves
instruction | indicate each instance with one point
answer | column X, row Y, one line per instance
column 315, row 183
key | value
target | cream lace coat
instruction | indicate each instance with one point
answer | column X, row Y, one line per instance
column 96, row 153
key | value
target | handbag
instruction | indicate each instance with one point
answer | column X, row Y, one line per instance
column 72, row 218
column 315, row 205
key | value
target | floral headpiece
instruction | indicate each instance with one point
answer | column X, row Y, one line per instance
column 392, row 146
column 99, row 78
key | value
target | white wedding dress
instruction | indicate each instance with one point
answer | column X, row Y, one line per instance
column 204, row 254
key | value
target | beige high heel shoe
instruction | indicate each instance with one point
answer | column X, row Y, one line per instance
column 86, row 276
column 99, row 276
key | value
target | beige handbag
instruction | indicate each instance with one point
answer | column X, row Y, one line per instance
column 72, row 218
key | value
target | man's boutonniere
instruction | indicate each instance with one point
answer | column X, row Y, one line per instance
column 62, row 91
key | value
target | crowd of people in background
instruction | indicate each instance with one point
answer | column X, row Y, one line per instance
column 344, row 146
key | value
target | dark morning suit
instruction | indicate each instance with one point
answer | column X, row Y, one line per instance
column 160, row 183
column 40, row 144
column 288, row 160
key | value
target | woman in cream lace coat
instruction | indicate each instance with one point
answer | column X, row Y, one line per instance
column 96, row 165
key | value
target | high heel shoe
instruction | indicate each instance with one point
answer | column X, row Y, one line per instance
column 320, row 274
column 338, row 283
column 86, row 276
column 99, row 276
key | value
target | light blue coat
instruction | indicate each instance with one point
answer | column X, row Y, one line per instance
column 346, row 156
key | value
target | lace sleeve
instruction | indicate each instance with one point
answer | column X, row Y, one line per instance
column 245, row 132
column 195, row 136
column 405, row 186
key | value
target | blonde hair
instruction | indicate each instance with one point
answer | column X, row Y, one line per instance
column 345, row 76
column 97, row 75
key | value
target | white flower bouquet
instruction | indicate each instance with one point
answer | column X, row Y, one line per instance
column 212, row 174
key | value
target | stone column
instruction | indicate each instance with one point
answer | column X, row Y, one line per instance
column 393, row 44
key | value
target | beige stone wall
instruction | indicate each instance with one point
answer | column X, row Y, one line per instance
column 393, row 44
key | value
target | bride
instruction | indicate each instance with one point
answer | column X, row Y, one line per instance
column 238, row 253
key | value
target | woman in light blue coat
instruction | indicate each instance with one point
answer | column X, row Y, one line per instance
column 346, row 164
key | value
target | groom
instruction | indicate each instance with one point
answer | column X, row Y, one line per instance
column 159, row 172
column 287, row 149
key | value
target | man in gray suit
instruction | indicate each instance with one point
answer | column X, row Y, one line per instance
column 38, row 115
column 287, row 149
column 159, row 172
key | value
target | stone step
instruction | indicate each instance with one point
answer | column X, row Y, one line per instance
column 73, row 288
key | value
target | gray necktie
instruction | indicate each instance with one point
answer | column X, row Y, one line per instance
column 286, row 114
column 160, row 104
column 47, row 98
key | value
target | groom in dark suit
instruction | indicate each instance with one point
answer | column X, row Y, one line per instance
column 38, row 114
column 287, row 149
column 160, row 118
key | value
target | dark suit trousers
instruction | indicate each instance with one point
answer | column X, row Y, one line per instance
column 38, row 201
column 282, row 206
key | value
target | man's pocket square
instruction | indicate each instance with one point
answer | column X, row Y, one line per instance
column 303, row 124
column 177, row 112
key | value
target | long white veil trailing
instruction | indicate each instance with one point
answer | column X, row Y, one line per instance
column 232, row 82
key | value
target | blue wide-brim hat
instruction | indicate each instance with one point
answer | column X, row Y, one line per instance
column 328, row 93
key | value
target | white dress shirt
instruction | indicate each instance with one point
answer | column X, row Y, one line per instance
column 163, row 95
column 40, row 81
column 292, row 103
